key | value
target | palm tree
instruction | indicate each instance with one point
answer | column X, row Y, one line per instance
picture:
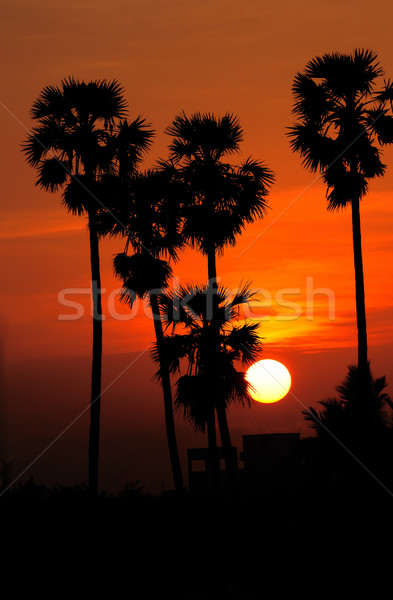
column 355, row 422
column 349, row 405
column 342, row 120
column 152, row 231
column 210, row 349
column 75, row 147
column 219, row 199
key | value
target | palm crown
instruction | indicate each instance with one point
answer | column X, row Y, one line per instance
column 148, row 217
column 342, row 120
column 82, row 136
column 210, row 352
column 348, row 410
column 219, row 198
column 147, row 214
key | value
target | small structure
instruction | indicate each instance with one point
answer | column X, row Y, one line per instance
column 198, row 468
column 271, row 461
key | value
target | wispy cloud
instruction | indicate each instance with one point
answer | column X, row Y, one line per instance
column 26, row 224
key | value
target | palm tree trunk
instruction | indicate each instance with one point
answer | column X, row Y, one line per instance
column 211, row 266
column 359, row 285
column 95, row 401
column 229, row 458
column 168, row 405
column 221, row 413
column 214, row 462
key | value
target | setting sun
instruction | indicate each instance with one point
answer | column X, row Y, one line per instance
column 270, row 381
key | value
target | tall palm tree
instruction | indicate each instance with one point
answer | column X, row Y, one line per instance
column 211, row 359
column 220, row 198
column 342, row 121
column 80, row 140
column 153, row 231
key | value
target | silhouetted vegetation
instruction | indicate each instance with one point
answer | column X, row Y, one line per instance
column 344, row 118
column 84, row 146
column 210, row 346
column 354, row 434
column 219, row 200
column 343, row 121
column 149, row 218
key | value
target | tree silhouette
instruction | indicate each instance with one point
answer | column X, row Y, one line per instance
column 342, row 122
column 353, row 426
column 219, row 199
column 151, row 215
column 82, row 140
column 211, row 350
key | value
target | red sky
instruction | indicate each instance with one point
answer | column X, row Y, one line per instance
column 215, row 56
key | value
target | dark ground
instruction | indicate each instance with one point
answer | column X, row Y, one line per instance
column 317, row 541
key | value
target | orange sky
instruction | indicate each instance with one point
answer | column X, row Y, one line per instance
column 170, row 56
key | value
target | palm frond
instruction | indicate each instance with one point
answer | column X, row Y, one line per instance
column 251, row 184
column 204, row 135
column 245, row 342
column 50, row 102
column 82, row 195
column 173, row 310
column 327, row 422
column 317, row 150
column 52, row 174
column 237, row 389
column 142, row 273
column 128, row 294
column 193, row 399
column 172, row 351
column 370, row 163
column 312, row 101
column 197, row 300
column 258, row 171
column 132, row 139
column 99, row 99
column 386, row 94
column 343, row 186
column 42, row 141
column 381, row 124
column 122, row 265
column 152, row 214
column 357, row 415
column 346, row 74
column 244, row 295
column 113, row 216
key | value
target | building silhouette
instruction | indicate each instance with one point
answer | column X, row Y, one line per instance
column 270, row 461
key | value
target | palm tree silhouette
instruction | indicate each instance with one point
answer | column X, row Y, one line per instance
column 150, row 213
column 210, row 349
column 81, row 140
column 342, row 121
column 219, row 199
column 355, row 422
column 349, row 406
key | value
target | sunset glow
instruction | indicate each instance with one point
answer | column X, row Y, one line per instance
column 218, row 57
